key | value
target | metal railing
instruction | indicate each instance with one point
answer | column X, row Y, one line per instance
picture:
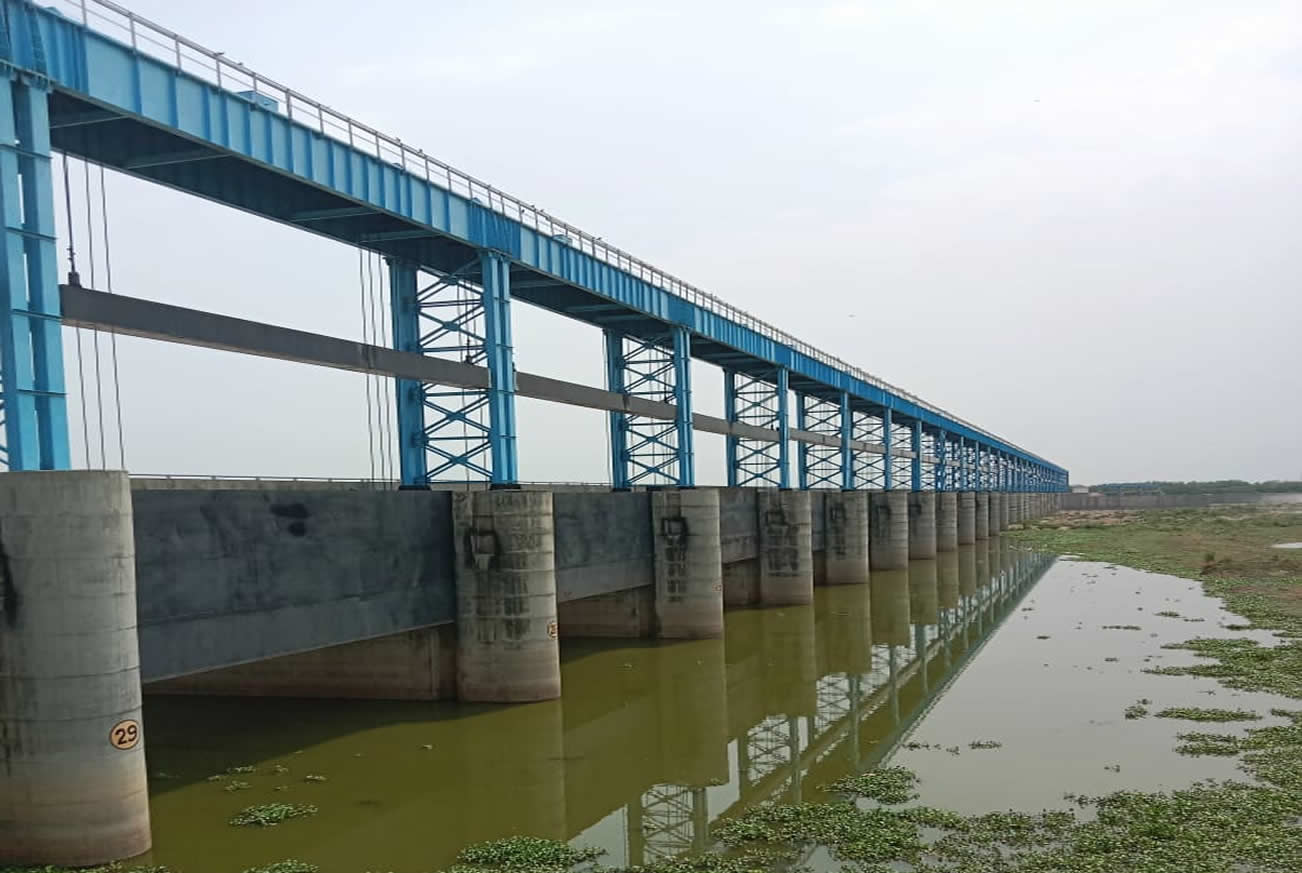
column 158, row 42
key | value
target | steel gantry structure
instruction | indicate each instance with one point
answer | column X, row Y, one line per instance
column 91, row 79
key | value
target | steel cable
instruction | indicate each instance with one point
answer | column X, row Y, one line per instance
column 370, row 430
column 108, row 286
column 74, row 280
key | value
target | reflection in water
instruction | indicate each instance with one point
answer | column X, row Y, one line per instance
column 649, row 744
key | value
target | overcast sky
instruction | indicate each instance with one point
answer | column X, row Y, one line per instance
column 1078, row 225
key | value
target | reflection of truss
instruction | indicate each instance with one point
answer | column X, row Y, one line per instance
column 831, row 701
column 672, row 816
column 768, row 747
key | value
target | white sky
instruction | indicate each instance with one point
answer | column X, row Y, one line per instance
column 1076, row 224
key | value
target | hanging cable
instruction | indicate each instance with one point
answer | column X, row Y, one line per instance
column 75, row 279
column 379, row 387
column 90, row 253
column 108, row 286
column 370, row 430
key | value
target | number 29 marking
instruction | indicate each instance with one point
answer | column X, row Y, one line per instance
column 125, row 735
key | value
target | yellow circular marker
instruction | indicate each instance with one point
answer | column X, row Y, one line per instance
column 125, row 735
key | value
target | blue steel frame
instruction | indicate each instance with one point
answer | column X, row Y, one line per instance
column 293, row 160
column 464, row 315
column 868, row 466
column 762, row 403
column 821, row 466
column 649, row 451
column 915, row 465
column 33, row 405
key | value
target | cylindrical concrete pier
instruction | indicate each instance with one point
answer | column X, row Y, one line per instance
column 845, row 532
column 688, row 563
column 1012, row 508
column 786, row 548
column 888, row 530
column 982, row 515
column 922, row 525
column 507, row 649
column 966, row 518
column 72, row 752
column 946, row 521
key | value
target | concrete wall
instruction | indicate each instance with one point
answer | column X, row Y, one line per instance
column 603, row 543
column 226, row 577
column 738, row 528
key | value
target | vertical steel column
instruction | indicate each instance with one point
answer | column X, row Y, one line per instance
column 784, row 428
column 915, row 446
column 496, row 279
column 408, row 393
column 887, row 461
column 963, row 480
column 618, row 421
column 981, row 483
column 683, row 402
column 847, row 434
column 802, row 450
column 33, row 404
column 942, row 465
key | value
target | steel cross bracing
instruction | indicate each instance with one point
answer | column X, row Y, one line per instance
column 820, row 466
column 650, row 451
column 869, row 467
column 674, row 819
column 761, row 403
column 138, row 98
column 456, row 434
column 901, row 467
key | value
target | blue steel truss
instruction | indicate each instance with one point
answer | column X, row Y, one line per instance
column 820, row 466
column 762, row 403
column 869, row 467
column 455, row 434
column 651, row 451
column 33, row 406
column 901, row 467
column 137, row 98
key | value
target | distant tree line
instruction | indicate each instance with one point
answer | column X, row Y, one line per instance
column 1272, row 486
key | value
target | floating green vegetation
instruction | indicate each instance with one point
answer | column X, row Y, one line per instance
column 524, row 853
column 985, row 744
column 242, row 769
column 237, row 785
column 1167, row 613
column 216, row 777
column 314, row 777
column 885, row 785
column 1043, row 637
column 271, row 814
column 1200, row 713
column 1122, row 627
column 1137, row 710
column 287, row 866
column 115, row 867
column 279, row 769
column 1111, row 660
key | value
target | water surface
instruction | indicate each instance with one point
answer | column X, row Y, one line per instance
column 651, row 743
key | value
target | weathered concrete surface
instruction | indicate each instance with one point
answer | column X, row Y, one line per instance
column 846, row 537
column 72, row 752
column 603, row 542
column 227, row 577
column 982, row 515
column 627, row 614
column 786, row 551
column 946, row 521
column 741, row 580
column 922, row 525
column 966, row 518
column 415, row 665
column 688, row 565
column 888, row 530
column 507, row 628
column 738, row 525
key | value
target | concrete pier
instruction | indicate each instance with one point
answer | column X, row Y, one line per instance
column 982, row 515
column 1001, row 507
column 1013, row 508
column 946, row 521
column 846, row 537
column 786, row 548
column 890, row 607
column 688, row 564
column 72, row 749
column 966, row 518
column 888, row 530
column 507, row 628
column 922, row 525
column 924, row 593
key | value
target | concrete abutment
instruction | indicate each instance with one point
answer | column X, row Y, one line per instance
column 786, row 548
column 888, row 526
